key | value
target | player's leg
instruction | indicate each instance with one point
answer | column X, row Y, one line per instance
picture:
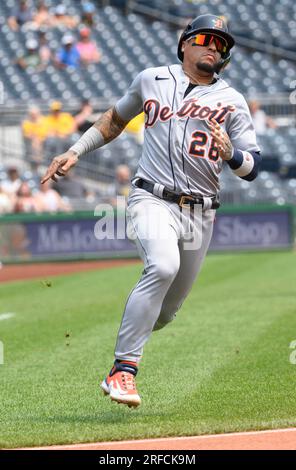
column 156, row 239
column 159, row 251
column 190, row 264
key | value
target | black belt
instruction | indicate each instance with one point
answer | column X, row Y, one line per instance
column 180, row 199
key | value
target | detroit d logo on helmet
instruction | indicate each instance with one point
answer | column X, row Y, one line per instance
column 218, row 23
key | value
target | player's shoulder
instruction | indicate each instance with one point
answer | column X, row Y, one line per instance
column 161, row 71
column 230, row 90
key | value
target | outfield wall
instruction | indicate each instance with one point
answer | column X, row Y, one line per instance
column 78, row 235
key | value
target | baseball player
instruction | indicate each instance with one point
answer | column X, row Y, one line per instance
column 193, row 122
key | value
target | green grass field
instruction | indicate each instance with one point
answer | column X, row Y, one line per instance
column 222, row 366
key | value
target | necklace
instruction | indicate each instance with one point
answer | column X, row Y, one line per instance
column 195, row 82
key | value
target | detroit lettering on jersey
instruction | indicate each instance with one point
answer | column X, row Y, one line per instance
column 178, row 149
column 153, row 110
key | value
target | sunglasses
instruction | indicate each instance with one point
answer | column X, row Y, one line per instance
column 206, row 39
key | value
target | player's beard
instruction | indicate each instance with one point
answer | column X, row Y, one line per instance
column 206, row 67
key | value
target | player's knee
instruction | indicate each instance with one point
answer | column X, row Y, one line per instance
column 167, row 315
column 163, row 321
column 167, row 269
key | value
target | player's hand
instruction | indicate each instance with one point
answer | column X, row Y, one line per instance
column 222, row 139
column 60, row 165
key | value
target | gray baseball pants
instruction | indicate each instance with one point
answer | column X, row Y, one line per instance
column 172, row 244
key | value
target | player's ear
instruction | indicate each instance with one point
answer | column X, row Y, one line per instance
column 225, row 63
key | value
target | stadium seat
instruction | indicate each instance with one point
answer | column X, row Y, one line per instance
column 131, row 43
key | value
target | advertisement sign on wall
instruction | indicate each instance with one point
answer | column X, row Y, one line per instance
column 74, row 237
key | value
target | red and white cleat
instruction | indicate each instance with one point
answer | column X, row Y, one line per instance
column 121, row 387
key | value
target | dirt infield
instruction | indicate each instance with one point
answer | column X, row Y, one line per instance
column 44, row 270
column 283, row 439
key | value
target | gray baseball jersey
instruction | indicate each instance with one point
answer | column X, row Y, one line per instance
column 180, row 154
column 178, row 150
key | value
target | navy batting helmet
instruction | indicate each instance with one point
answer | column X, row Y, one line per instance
column 208, row 24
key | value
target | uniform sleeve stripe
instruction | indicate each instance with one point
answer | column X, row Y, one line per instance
column 237, row 159
column 247, row 165
column 257, row 162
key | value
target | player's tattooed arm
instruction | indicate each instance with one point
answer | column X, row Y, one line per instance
column 110, row 124
column 107, row 128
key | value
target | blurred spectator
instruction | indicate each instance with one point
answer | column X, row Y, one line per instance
column 13, row 182
column 88, row 14
column 260, row 120
column 59, row 128
column 71, row 187
column 21, row 14
column 25, row 201
column 58, row 123
column 49, row 200
column 62, row 20
column 34, row 133
column 123, row 180
column 68, row 55
column 31, row 58
column 83, row 119
column 136, row 127
column 6, row 202
column 121, row 187
column 42, row 17
column 44, row 49
column 87, row 48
